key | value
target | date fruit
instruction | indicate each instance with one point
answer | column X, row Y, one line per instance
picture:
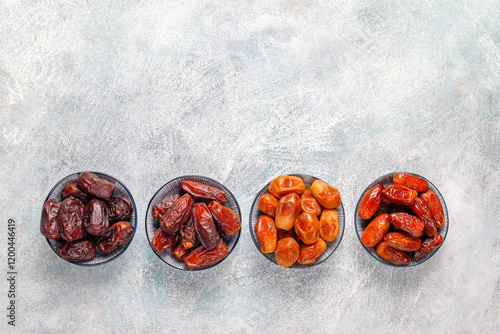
column 188, row 235
column 162, row 240
column 72, row 190
column 428, row 245
column 268, row 204
column 309, row 204
column 70, row 219
column 307, row 228
column 118, row 234
column 180, row 251
column 202, row 257
column 120, row 208
column 422, row 211
column 205, row 227
column 95, row 186
column 287, row 252
column 375, row 231
column 392, row 255
column 287, row 211
column 399, row 194
column 370, row 201
column 77, row 251
column 49, row 225
column 410, row 181
column 408, row 223
column 161, row 208
column 285, row 184
column 435, row 206
column 95, row 217
column 329, row 224
column 402, row 241
column 177, row 215
column 267, row 234
column 227, row 219
column 203, row 191
column 310, row 253
column 327, row 196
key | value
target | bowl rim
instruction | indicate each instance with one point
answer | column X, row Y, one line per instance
column 445, row 227
column 185, row 177
column 134, row 223
column 294, row 266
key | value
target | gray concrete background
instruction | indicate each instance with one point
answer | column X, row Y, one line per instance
column 242, row 91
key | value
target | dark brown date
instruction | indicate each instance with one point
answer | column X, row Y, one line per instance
column 161, row 208
column 399, row 194
column 72, row 190
column 95, row 217
column 180, row 251
column 120, row 208
column 201, row 257
column 428, row 245
column 205, row 227
column 402, row 241
column 189, row 238
column 177, row 215
column 96, row 186
column 49, row 225
column 392, row 255
column 227, row 219
column 71, row 219
column 203, row 191
column 407, row 223
column 162, row 240
column 118, row 234
column 77, row 251
column 422, row 211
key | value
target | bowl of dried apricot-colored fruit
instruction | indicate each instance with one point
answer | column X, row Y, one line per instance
column 297, row 220
column 401, row 219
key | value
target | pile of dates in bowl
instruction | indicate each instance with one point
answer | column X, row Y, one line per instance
column 297, row 221
column 89, row 218
column 193, row 223
column 401, row 219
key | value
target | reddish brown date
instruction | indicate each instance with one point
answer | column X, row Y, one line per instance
column 422, row 211
column 410, row 181
column 120, row 208
column 177, row 215
column 188, row 235
column 96, row 186
column 95, row 217
column 408, row 223
column 287, row 211
column 162, row 240
column 268, row 204
column 285, row 184
column 70, row 219
column 49, row 225
column 77, row 251
column 227, row 219
column 267, row 234
column 307, row 228
column 72, row 190
column 205, row 227
column 370, row 201
column 402, row 241
column 327, row 196
column 392, row 255
column 201, row 257
column 310, row 253
column 203, row 191
column 399, row 194
column 180, row 251
column 118, row 234
column 375, row 231
column 287, row 252
column 435, row 206
column 428, row 245
column 329, row 224
column 309, row 204
column 161, row 208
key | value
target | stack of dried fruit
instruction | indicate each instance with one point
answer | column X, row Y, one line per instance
column 290, row 227
column 194, row 230
column 407, row 217
column 86, row 216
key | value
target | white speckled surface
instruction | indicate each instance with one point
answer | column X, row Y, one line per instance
column 241, row 91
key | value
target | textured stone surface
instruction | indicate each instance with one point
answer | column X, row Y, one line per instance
column 242, row 91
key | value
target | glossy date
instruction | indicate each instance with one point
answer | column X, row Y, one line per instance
column 287, row 211
column 428, row 245
column 329, row 224
column 95, row 186
column 118, row 234
column 70, row 219
column 227, row 219
column 408, row 223
column 307, row 228
column 435, row 206
column 72, row 190
column 309, row 204
column 77, row 251
column 285, row 184
column 325, row 194
column 287, row 252
column 310, row 253
column 375, row 231
column 422, row 211
column 268, row 204
column 177, row 215
column 95, row 217
column 49, row 224
column 392, row 255
column 402, row 241
column 162, row 240
column 370, row 201
column 267, row 234
column 203, row 191
column 161, row 208
column 399, row 194
column 410, row 181
column 120, row 208
column 188, row 235
column 201, row 257
column 205, row 227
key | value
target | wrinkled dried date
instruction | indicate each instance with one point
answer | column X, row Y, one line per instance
column 435, row 206
column 180, row 251
column 268, row 204
column 407, row 223
column 410, row 181
column 49, row 224
column 70, row 219
column 286, row 184
column 307, row 228
column 177, row 215
column 266, row 233
column 201, row 257
column 428, row 245
column 163, row 240
column 203, row 191
column 120, row 208
column 77, row 251
column 95, row 217
column 392, row 255
column 188, row 235
column 72, row 190
column 95, row 186
column 118, row 234
column 370, row 201
column 402, row 241
column 422, row 211
column 161, row 208
column 288, row 210
column 399, row 194
column 327, row 196
column 205, row 227
column 227, row 219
